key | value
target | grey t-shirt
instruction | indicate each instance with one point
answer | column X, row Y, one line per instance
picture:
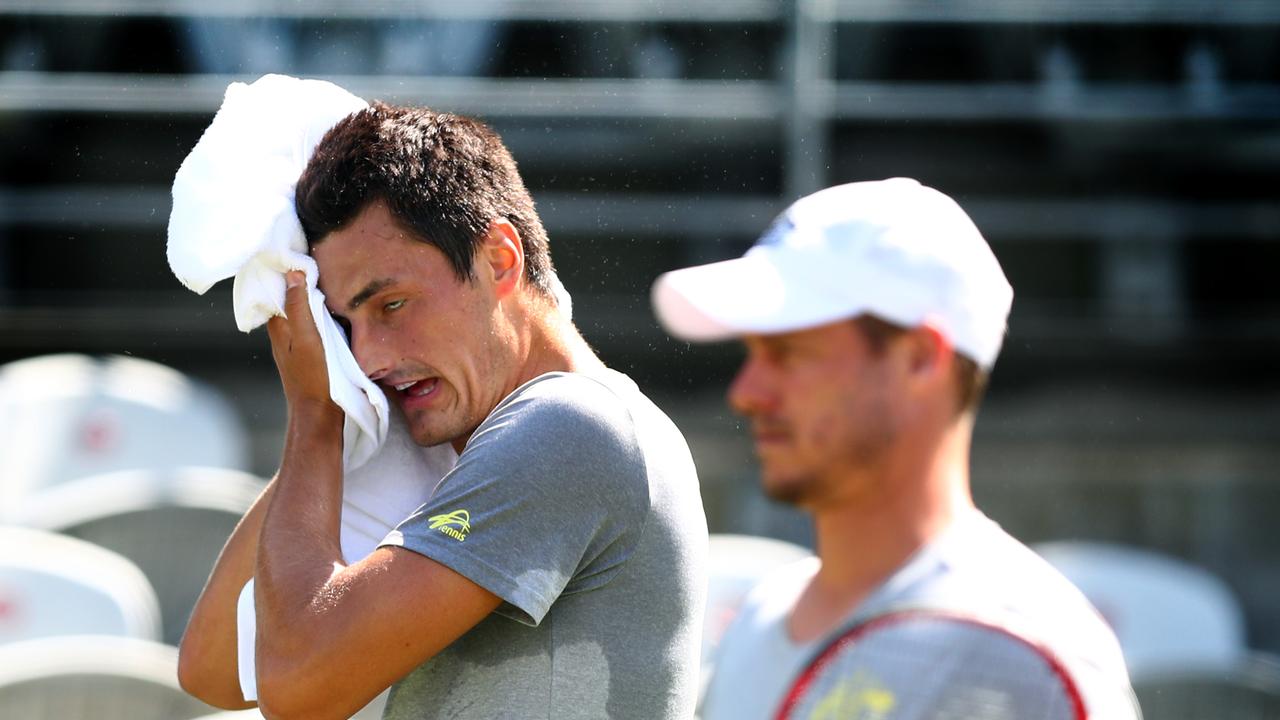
column 576, row 502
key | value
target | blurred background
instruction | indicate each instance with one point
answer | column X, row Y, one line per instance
column 1122, row 157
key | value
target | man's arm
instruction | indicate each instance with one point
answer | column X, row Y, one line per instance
column 331, row 636
column 207, row 664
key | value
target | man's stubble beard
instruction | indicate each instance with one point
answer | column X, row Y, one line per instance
column 865, row 451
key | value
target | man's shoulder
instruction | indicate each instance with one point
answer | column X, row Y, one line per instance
column 767, row 602
column 603, row 407
column 753, row 658
column 985, row 573
column 990, row 573
column 985, row 567
column 559, row 431
column 596, row 396
column 557, row 404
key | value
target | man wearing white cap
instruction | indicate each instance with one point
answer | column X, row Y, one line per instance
column 872, row 314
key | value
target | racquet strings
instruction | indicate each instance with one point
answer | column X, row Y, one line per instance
column 926, row 666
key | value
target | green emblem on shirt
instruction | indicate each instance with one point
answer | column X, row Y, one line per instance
column 455, row 524
column 860, row 696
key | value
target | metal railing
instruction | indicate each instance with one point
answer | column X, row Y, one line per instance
column 1095, row 12
column 801, row 106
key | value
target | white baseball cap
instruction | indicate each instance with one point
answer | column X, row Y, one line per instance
column 895, row 249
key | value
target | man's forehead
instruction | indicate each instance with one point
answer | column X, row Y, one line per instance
column 347, row 275
column 352, row 256
column 815, row 333
column 372, row 226
column 760, row 341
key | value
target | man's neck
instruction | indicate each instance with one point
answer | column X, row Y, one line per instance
column 862, row 543
column 539, row 341
column 551, row 343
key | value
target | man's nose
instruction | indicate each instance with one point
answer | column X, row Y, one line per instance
column 751, row 391
column 372, row 353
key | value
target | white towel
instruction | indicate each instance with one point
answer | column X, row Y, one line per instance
column 233, row 216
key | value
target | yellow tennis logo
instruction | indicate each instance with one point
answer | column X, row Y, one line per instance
column 456, row 524
column 860, row 697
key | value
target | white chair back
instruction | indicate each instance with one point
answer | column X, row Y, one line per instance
column 172, row 524
column 64, row 417
column 372, row 711
column 1170, row 616
column 1248, row 691
column 56, row 585
column 93, row 677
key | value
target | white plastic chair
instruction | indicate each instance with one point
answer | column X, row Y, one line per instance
column 171, row 524
column 93, row 677
column 56, row 585
column 1171, row 617
column 1250, row 690
column 735, row 564
column 64, row 417
column 372, row 711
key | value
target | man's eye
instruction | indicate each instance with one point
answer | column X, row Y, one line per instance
column 393, row 305
column 777, row 351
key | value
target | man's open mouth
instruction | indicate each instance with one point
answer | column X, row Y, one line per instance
column 416, row 388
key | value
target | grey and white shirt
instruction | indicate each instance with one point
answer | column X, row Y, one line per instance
column 576, row 501
column 973, row 567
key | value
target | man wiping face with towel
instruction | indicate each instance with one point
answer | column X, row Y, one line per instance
column 558, row 569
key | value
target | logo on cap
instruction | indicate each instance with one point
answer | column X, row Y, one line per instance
column 777, row 231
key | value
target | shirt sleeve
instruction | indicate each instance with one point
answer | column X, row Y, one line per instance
column 548, row 498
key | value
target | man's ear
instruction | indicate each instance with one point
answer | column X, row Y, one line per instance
column 929, row 356
column 502, row 255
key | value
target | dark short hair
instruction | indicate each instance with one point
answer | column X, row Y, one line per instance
column 445, row 177
column 971, row 379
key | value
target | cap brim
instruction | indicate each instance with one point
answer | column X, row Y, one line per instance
column 727, row 299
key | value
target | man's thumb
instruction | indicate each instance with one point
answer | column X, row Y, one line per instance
column 295, row 290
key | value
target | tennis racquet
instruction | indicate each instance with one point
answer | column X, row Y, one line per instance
column 932, row 665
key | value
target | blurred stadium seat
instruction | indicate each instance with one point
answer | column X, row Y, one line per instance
column 56, row 585
column 171, row 523
column 1172, row 618
column 1250, row 690
column 92, row 677
column 735, row 564
column 372, row 711
column 67, row 416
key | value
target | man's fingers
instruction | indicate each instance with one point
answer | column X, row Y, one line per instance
column 277, row 328
column 295, row 296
